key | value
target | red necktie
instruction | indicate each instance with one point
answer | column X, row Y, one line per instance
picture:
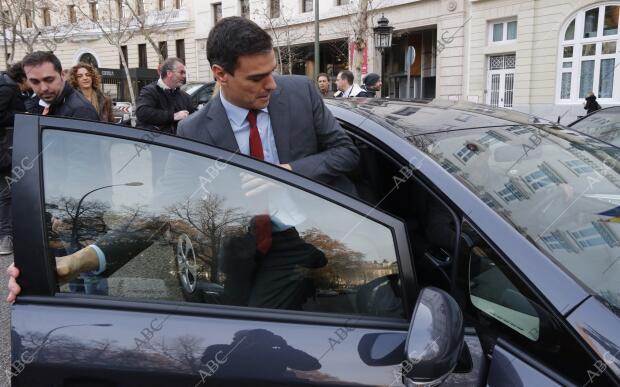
column 46, row 110
column 256, row 145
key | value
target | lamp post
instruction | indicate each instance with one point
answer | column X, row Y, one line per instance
column 382, row 34
column 74, row 229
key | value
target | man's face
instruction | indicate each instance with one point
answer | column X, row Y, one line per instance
column 323, row 84
column 376, row 86
column 252, row 84
column 341, row 84
column 46, row 82
column 176, row 78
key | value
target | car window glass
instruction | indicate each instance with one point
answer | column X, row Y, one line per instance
column 491, row 291
column 603, row 125
column 561, row 191
column 176, row 226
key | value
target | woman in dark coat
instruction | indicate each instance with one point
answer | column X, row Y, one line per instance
column 591, row 105
column 85, row 78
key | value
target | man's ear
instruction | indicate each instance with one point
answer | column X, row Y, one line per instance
column 219, row 74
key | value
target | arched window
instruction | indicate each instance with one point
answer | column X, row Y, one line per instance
column 588, row 57
column 89, row 58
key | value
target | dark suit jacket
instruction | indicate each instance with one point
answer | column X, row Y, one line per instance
column 307, row 135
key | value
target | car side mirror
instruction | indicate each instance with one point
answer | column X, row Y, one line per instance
column 435, row 339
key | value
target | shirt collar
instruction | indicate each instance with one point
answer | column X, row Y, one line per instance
column 235, row 113
column 161, row 84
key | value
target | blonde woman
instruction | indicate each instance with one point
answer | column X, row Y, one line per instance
column 85, row 78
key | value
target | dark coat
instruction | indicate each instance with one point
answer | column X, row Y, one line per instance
column 366, row 92
column 11, row 102
column 591, row 104
column 69, row 103
column 156, row 107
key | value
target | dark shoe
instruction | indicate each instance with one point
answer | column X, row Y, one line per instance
column 6, row 245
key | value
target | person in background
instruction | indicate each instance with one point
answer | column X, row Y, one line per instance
column 346, row 87
column 13, row 93
column 323, row 82
column 162, row 104
column 85, row 79
column 372, row 84
column 591, row 105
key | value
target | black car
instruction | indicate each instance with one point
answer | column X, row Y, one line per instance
column 481, row 248
column 603, row 124
column 200, row 92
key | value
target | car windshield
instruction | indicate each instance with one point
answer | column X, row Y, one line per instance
column 560, row 191
column 603, row 125
column 191, row 88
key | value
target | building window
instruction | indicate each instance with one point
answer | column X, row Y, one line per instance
column 588, row 237
column 342, row 2
column 140, row 7
column 217, row 12
column 578, row 167
column 178, row 4
column 94, row 13
column 537, row 180
column 161, row 5
column 142, row 56
column 125, row 56
column 245, row 8
column 163, row 49
column 306, row 5
column 180, row 47
column 587, row 55
column 72, row 14
column 503, row 31
column 274, row 8
column 464, row 154
column 510, row 193
column 47, row 20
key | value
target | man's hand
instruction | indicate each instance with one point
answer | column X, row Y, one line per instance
column 14, row 288
column 178, row 116
column 67, row 268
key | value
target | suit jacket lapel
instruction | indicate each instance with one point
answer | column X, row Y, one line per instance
column 279, row 115
column 218, row 126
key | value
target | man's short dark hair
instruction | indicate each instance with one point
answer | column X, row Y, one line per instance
column 16, row 72
column 233, row 37
column 37, row 58
column 346, row 74
column 322, row 75
column 168, row 65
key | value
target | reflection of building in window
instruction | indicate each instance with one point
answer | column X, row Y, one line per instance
column 578, row 167
column 518, row 130
column 511, row 192
column 588, row 237
column 491, row 138
column 450, row 166
column 555, row 241
column 464, row 154
column 490, row 201
column 542, row 177
column 407, row 111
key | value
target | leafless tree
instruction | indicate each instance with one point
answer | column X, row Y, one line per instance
column 285, row 35
column 115, row 27
column 149, row 23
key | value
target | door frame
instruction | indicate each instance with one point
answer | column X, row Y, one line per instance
column 31, row 252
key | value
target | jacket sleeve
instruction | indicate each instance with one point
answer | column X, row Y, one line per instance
column 147, row 112
column 337, row 154
column 7, row 115
column 86, row 112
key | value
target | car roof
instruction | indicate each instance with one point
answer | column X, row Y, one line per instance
column 409, row 118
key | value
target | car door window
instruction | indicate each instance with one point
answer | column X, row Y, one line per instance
column 175, row 226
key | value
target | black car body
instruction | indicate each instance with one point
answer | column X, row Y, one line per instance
column 200, row 92
column 473, row 250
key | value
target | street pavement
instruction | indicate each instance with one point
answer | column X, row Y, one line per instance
column 5, row 321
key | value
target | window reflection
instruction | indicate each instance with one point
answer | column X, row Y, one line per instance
column 202, row 230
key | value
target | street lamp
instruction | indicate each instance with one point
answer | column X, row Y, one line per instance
column 383, row 34
column 74, row 229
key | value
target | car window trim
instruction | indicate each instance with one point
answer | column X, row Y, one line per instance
column 37, row 282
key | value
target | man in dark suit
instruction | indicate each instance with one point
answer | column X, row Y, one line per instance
column 278, row 119
column 294, row 128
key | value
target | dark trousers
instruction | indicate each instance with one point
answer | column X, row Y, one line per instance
column 6, row 221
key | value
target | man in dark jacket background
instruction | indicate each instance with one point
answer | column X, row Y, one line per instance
column 55, row 97
column 372, row 84
column 13, row 92
column 162, row 104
